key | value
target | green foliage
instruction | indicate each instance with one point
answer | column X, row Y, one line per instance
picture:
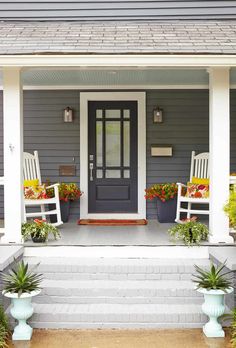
column 162, row 191
column 21, row 279
column 38, row 228
column 190, row 232
column 4, row 328
column 230, row 208
column 231, row 317
column 213, row 279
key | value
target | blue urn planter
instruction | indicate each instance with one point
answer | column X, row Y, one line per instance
column 166, row 211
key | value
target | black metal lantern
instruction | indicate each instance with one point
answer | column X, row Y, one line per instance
column 157, row 115
column 68, row 115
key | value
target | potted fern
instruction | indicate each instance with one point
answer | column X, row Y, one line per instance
column 38, row 230
column 20, row 284
column 214, row 284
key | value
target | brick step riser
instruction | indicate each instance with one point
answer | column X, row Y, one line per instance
column 116, row 276
column 118, row 300
column 120, row 325
column 111, row 292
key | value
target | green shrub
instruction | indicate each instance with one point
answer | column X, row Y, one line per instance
column 4, row 328
column 230, row 208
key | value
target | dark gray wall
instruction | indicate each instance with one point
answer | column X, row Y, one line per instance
column 185, row 127
column 116, row 9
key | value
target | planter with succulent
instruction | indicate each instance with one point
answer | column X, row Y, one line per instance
column 68, row 192
column 166, row 195
column 20, row 284
column 214, row 284
column 38, row 230
column 189, row 231
column 4, row 329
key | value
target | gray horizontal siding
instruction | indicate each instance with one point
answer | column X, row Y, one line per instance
column 114, row 9
column 185, row 127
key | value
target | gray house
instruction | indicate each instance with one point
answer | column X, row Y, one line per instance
column 113, row 63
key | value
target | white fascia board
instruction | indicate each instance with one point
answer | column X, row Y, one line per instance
column 102, row 60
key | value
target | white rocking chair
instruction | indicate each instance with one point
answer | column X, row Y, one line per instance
column 200, row 169
column 31, row 171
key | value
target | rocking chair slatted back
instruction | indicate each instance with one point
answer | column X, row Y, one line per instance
column 199, row 165
column 31, row 169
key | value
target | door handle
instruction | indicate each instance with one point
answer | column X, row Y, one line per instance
column 91, row 171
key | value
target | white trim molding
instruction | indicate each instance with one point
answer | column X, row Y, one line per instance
column 122, row 60
column 140, row 97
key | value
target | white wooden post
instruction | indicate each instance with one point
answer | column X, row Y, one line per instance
column 219, row 133
column 13, row 152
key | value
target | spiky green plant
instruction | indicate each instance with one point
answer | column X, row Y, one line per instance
column 21, row 279
column 213, row 279
column 4, row 328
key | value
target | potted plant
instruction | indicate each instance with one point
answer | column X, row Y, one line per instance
column 4, row 329
column 38, row 230
column 213, row 284
column 189, row 231
column 20, row 285
column 166, row 195
column 68, row 192
column 230, row 209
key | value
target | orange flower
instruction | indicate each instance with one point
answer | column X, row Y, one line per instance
column 198, row 194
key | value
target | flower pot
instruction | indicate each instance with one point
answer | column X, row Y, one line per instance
column 65, row 211
column 213, row 307
column 166, row 211
column 38, row 239
column 22, row 310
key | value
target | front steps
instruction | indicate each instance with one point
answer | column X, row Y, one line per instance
column 117, row 293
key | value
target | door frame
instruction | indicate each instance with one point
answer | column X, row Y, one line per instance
column 140, row 97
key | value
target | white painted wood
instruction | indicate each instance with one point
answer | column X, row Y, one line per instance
column 13, row 150
column 199, row 168
column 159, row 252
column 219, row 153
column 125, row 60
column 93, row 96
column 31, row 171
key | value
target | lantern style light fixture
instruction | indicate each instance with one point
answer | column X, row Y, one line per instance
column 157, row 115
column 68, row 115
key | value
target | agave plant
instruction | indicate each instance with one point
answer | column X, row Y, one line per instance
column 4, row 329
column 212, row 279
column 21, row 280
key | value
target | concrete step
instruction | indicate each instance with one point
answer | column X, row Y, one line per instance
column 132, row 291
column 123, row 269
column 117, row 316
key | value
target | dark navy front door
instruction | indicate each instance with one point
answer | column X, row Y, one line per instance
column 112, row 156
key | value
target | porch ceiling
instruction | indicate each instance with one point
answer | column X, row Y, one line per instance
column 108, row 78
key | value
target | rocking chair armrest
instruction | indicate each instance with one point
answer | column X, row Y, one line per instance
column 180, row 184
column 53, row 186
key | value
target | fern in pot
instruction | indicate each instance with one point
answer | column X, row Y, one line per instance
column 38, row 230
column 20, row 284
column 214, row 283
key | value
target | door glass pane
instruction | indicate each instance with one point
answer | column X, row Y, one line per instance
column 126, row 173
column 112, row 173
column 99, row 113
column 112, row 144
column 99, row 143
column 112, row 113
column 126, row 143
column 99, row 174
column 126, row 113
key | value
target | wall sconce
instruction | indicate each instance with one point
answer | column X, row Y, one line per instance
column 157, row 115
column 68, row 114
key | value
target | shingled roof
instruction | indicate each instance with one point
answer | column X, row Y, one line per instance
column 140, row 37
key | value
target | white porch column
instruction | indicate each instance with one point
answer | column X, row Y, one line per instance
column 13, row 152
column 219, row 143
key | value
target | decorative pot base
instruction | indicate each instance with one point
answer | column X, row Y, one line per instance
column 22, row 332
column 213, row 331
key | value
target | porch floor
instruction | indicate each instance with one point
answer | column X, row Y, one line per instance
column 152, row 234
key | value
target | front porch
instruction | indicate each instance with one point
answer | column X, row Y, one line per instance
column 190, row 114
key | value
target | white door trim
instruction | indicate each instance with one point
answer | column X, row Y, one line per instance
column 140, row 97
